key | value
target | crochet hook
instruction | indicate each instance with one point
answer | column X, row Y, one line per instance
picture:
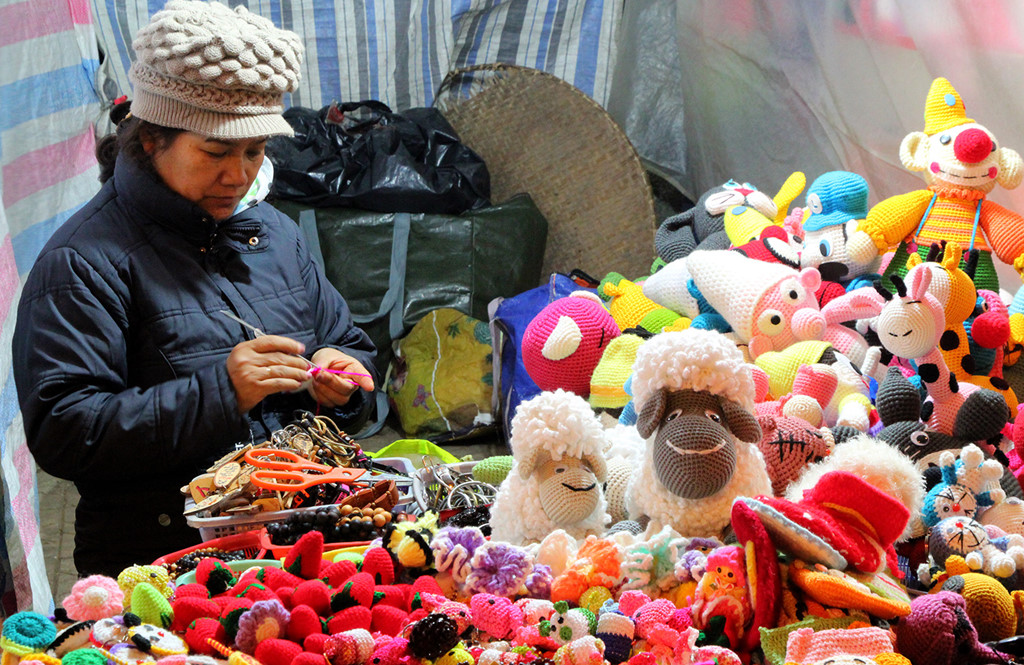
column 257, row 332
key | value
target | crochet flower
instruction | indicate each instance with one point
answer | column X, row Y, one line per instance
column 93, row 598
column 267, row 619
column 598, row 563
column 453, row 548
column 650, row 565
column 498, row 568
column 538, row 582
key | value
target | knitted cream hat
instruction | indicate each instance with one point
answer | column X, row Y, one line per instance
column 222, row 73
column 733, row 284
column 691, row 359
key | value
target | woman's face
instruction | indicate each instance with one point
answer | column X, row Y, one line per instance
column 212, row 173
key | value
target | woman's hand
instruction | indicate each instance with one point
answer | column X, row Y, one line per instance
column 265, row 366
column 334, row 390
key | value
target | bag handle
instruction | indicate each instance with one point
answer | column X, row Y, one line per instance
column 393, row 303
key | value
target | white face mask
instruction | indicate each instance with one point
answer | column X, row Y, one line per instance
column 260, row 187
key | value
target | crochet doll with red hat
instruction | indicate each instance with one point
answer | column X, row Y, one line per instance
column 842, row 521
column 962, row 163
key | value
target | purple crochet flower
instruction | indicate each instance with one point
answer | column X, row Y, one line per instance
column 538, row 583
column 453, row 547
column 266, row 619
column 498, row 568
column 470, row 537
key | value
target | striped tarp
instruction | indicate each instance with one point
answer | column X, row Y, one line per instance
column 47, row 171
column 398, row 51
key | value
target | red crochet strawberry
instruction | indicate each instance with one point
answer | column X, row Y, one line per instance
column 231, row 610
column 308, row 658
column 189, row 608
column 336, row 573
column 314, row 642
column 254, row 591
column 303, row 622
column 315, row 594
column 377, row 562
column 194, row 590
column 306, row 556
column 358, row 590
column 275, row 651
column 215, row 575
column 352, row 617
column 201, row 630
column 393, row 595
column 388, row 620
column 276, row 578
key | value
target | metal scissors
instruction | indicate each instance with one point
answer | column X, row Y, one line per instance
column 285, row 471
column 259, row 333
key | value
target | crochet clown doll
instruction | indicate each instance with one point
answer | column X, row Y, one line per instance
column 961, row 162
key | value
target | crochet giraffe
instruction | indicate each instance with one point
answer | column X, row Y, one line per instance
column 955, row 290
column 910, row 327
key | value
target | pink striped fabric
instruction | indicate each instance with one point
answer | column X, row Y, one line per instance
column 38, row 18
column 36, row 170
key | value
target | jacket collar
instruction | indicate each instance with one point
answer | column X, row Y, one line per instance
column 146, row 193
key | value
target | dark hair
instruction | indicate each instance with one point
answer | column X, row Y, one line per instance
column 127, row 140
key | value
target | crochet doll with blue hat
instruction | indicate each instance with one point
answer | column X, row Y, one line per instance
column 836, row 202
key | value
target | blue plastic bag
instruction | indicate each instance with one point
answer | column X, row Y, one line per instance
column 508, row 320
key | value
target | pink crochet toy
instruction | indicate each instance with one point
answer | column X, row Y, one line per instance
column 838, row 646
column 564, row 342
column 771, row 306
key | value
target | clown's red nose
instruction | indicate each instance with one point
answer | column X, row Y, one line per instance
column 956, row 507
column 971, row 146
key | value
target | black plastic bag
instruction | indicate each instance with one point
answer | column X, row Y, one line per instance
column 363, row 155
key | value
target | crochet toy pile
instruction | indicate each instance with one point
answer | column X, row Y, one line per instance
column 779, row 447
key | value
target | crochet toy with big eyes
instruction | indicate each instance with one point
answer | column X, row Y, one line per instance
column 961, row 162
column 836, row 202
column 962, row 536
column 703, row 225
column 968, row 486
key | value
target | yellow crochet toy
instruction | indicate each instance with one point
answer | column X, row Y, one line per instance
column 955, row 291
column 961, row 162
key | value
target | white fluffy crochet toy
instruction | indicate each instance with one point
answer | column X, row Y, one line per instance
column 694, row 397
column 557, row 472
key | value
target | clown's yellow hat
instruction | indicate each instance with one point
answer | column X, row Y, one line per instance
column 943, row 108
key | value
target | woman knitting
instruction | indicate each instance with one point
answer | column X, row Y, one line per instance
column 130, row 379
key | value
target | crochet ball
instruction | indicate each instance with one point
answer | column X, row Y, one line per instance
column 433, row 636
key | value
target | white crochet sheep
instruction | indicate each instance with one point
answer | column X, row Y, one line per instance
column 557, row 472
column 694, row 397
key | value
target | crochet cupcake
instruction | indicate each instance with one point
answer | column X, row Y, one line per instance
column 93, row 598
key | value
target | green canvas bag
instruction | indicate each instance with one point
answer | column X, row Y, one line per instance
column 394, row 268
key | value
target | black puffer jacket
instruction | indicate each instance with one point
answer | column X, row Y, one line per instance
column 119, row 354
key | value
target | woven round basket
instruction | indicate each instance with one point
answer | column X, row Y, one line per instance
column 539, row 134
